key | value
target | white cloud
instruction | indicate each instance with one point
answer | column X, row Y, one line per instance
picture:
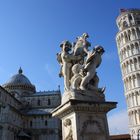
column 118, row 123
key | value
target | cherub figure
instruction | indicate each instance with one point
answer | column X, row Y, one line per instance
column 92, row 62
column 77, row 76
column 65, row 59
column 81, row 46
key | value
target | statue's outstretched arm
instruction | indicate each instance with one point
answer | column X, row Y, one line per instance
column 90, row 58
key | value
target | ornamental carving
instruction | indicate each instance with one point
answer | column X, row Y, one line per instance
column 91, row 122
column 79, row 64
column 67, row 123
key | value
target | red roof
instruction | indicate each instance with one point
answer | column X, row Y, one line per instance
column 120, row 137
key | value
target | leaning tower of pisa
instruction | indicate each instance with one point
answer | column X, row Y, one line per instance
column 128, row 44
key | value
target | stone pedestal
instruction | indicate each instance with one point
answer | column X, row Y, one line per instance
column 82, row 95
column 84, row 119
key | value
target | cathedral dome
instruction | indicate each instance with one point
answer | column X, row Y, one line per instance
column 19, row 81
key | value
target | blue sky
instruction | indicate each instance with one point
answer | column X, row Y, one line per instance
column 31, row 31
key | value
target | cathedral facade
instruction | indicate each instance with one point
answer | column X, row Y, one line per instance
column 26, row 114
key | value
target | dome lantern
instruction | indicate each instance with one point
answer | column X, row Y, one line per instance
column 20, row 71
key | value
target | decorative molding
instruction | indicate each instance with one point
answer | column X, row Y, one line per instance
column 88, row 122
column 68, row 124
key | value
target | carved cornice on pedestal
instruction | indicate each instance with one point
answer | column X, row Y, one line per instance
column 83, row 106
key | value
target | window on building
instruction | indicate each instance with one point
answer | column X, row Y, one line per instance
column 125, row 24
column 129, row 37
column 130, row 17
column 31, row 123
column 46, row 122
column 49, row 101
column 138, row 22
column 42, row 117
column 1, row 129
column 38, row 102
column 50, row 115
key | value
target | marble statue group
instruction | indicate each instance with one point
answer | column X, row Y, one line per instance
column 79, row 64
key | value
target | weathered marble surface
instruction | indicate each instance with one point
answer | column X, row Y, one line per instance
column 83, row 107
column 84, row 120
column 79, row 64
column 83, row 95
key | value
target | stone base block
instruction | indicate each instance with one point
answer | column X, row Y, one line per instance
column 84, row 120
column 88, row 95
